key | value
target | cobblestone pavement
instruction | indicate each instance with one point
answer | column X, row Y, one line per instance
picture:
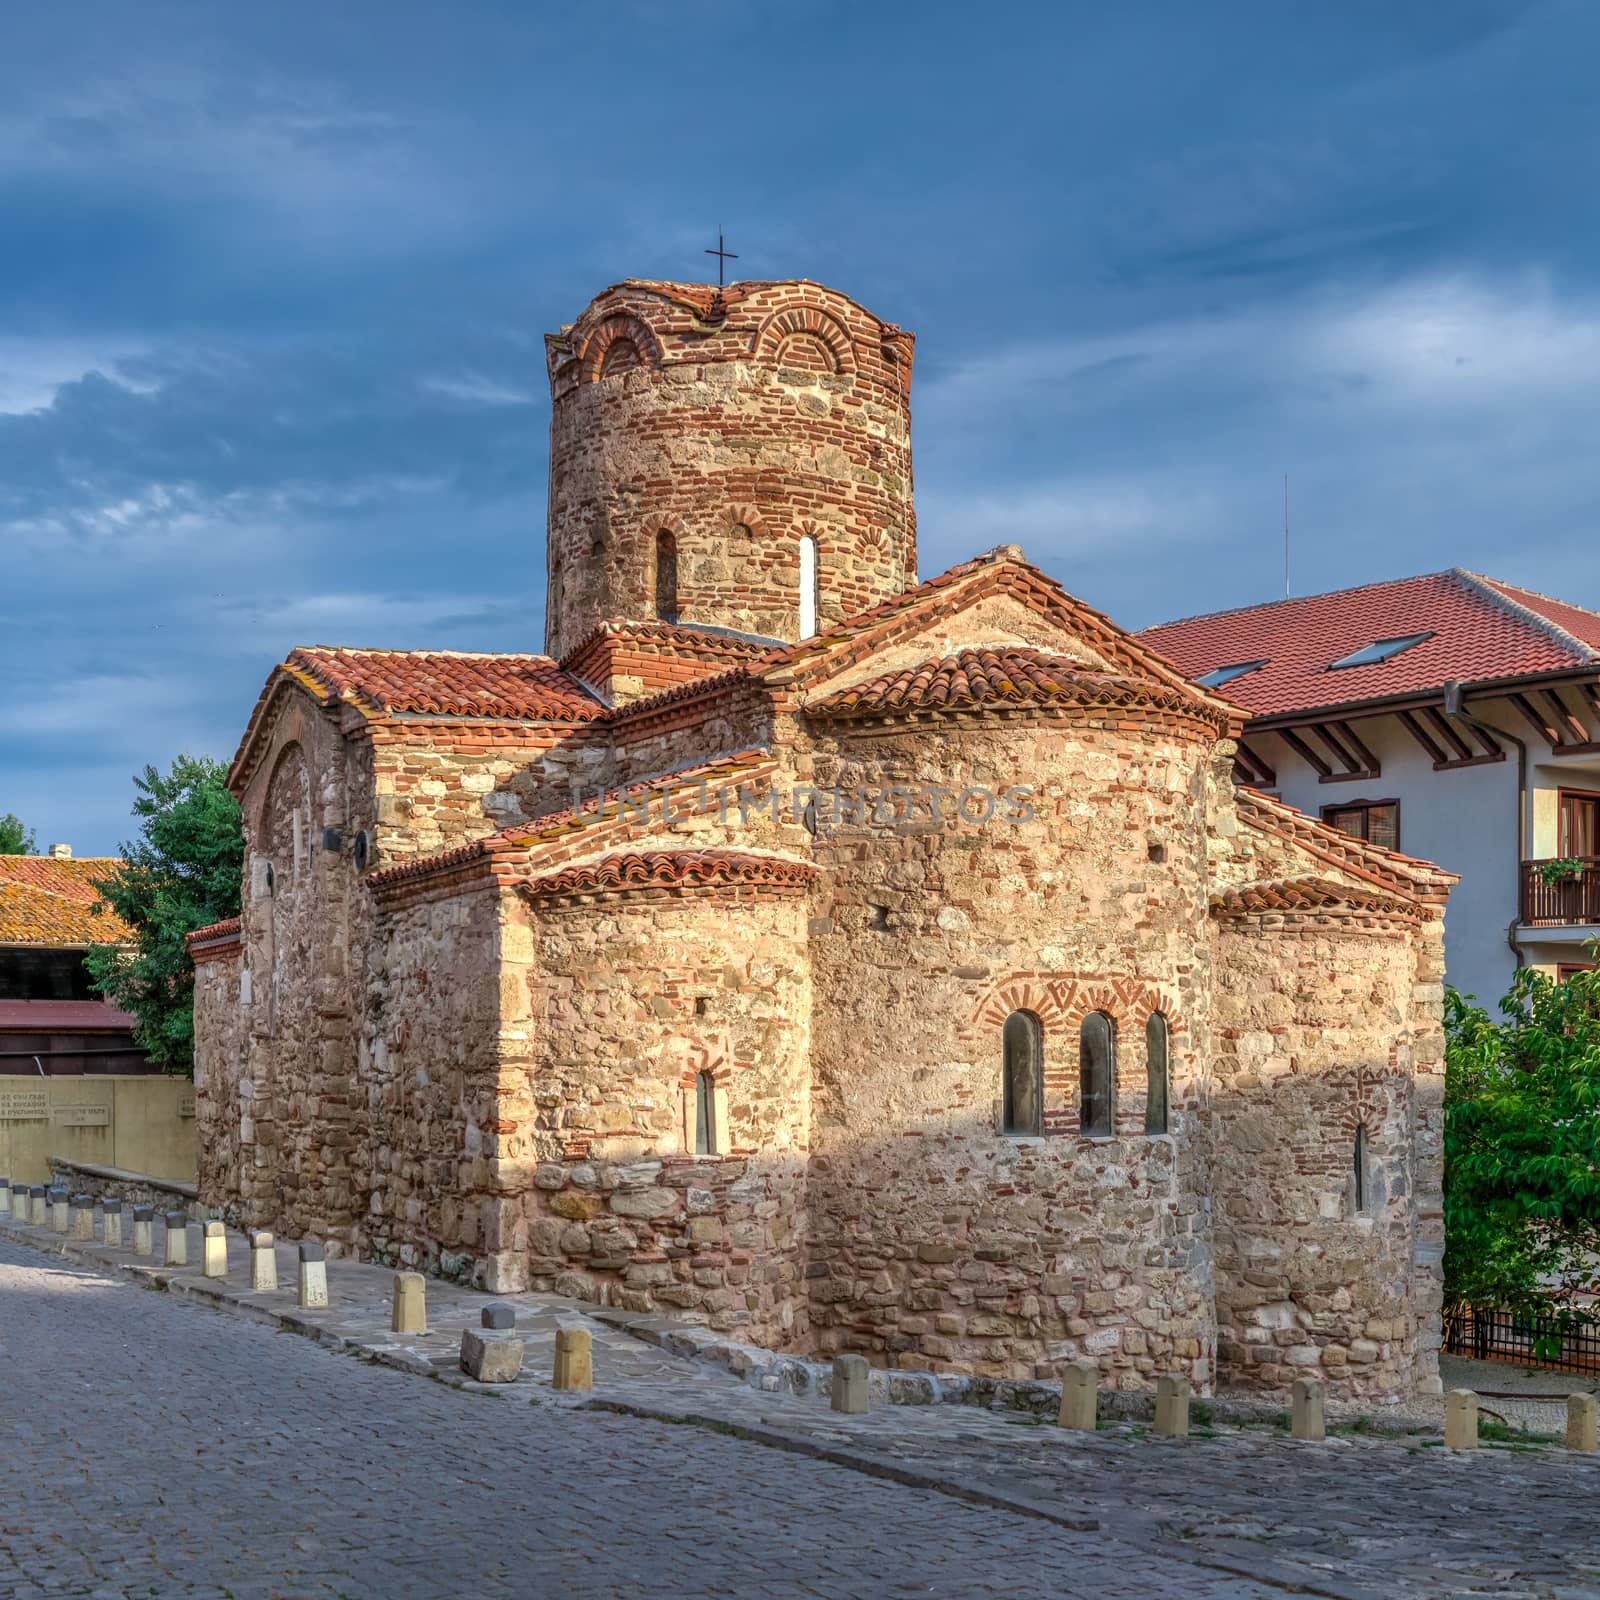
column 156, row 1447
column 1354, row 1516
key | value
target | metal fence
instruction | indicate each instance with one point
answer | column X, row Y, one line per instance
column 1534, row 1341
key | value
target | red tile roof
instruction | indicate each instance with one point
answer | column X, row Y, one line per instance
column 1480, row 629
column 445, row 683
column 62, row 1016
column 673, row 869
column 993, row 679
column 51, row 901
column 1305, row 894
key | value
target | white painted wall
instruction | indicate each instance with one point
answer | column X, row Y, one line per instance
column 1464, row 820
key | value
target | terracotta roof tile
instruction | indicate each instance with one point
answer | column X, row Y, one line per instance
column 676, row 869
column 445, row 683
column 1306, row 894
column 1478, row 629
column 993, row 679
column 51, row 901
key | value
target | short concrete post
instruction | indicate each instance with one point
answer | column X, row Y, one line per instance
column 111, row 1215
column 574, row 1359
column 1583, row 1422
column 5, row 1197
column 1172, row 1406
column 82, row 1214
column 313, row 1292
column 58, row 1210
column 1080, row 1396
column 144, row 1230
column 177, row 1254
column 263, row 1263
column 1308, row 1414
column 214, row 1261
column 196, row 1239
column 19, row 1201
column 39, row 1206
column 850, row 1393
column 1461, row 1420
column 493, row 1353
column 410, row 1303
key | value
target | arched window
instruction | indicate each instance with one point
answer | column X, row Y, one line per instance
column 1097, row 1076
column 1360, row 1165
column 1022, row 1086
column 666, row 576
column 705, row 1115
column 809, row 586
column 1156, row 1094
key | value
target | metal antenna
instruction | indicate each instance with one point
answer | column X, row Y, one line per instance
column 1286, row 536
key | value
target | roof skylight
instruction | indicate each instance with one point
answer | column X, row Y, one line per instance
column 1380, row 650
column 1217, row 676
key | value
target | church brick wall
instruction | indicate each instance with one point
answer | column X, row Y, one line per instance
column 937, row 1240
column 614, row 1004
column 736, row 436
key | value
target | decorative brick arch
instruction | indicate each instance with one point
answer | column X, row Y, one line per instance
column 616, row 331
column 747, row 516
column 816, row 327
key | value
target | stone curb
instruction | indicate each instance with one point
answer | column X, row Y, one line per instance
column 1138, row 1532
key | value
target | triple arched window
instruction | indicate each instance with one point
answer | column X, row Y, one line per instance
column 1022, row 1076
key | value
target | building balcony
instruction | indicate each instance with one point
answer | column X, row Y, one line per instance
column 1566, row 902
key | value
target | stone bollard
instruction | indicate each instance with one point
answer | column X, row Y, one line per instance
column 5, row 1197
column 574, row 1359
column 19, row 1201
column 410, row 1303
column 1461, row 1420
column 493, row 1353
column 1308, row 1414
column 39, row 1206
column 82, row 1214
column 111, row 1213
column 214, row 1244
column 177, row 1240
column 144, row 1243
column 1080, row 1396
column 195, row 1239
column 263, row 1263
column 1172, row 1406
column 313, row 1275
column 850, row 1393
column 58, row 1211
column 1583, row 1422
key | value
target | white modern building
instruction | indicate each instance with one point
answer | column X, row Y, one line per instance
column 1450, row 716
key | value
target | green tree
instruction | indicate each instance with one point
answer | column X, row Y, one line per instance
column 15, row 840
column 182, row 873
column 1522, row 1147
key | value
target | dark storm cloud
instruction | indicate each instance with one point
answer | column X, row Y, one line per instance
column 275, row 279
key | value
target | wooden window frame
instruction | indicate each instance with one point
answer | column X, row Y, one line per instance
column 1562, row 796
column 1107, row 1129
column 1365, row 805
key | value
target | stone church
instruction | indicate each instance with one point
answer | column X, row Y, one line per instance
column 842, row 960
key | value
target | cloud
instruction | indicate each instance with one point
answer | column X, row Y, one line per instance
column 475, row 389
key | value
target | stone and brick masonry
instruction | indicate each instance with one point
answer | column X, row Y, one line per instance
column 673, row 970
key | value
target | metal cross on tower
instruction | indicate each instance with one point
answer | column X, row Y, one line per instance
column 723, row 256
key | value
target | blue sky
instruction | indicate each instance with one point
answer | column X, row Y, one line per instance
column 274, row 281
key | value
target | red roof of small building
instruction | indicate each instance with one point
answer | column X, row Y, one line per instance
column 62, row 1016
column 1479, row 629
column 445, row 683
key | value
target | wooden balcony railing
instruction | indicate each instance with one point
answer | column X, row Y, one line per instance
column 1562, row 903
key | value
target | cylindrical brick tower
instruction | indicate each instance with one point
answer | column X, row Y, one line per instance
column 735, row 458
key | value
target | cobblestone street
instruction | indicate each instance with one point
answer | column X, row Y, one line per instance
column 158, row 1447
